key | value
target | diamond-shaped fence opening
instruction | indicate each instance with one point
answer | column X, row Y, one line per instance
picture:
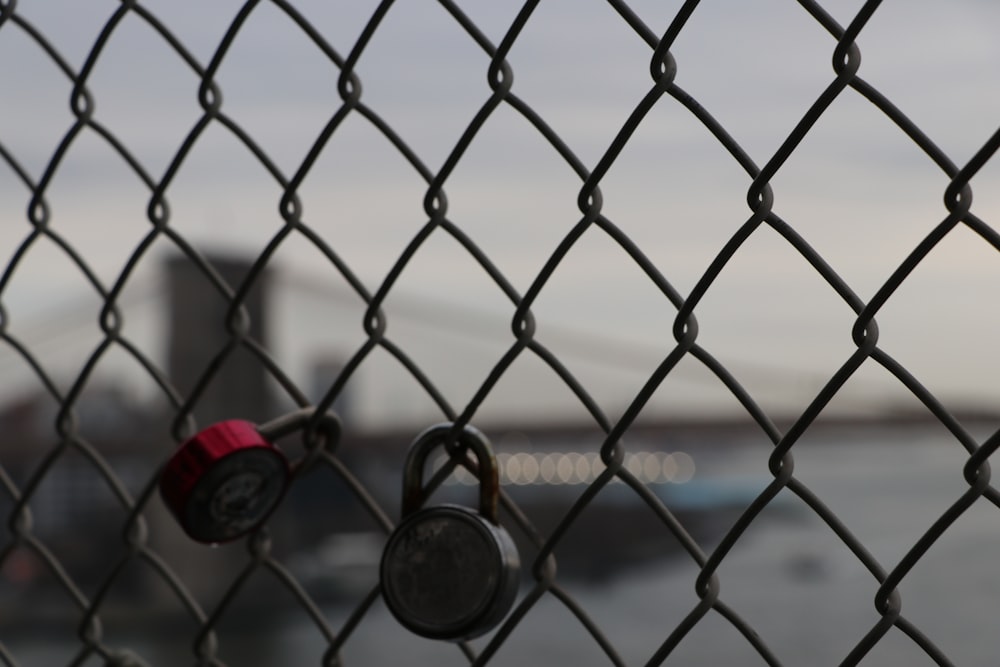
column 716, row 289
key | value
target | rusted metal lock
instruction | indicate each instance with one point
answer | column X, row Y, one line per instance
column 448, row 571
column 224, row 481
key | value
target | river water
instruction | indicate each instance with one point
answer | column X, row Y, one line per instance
column 789, row 576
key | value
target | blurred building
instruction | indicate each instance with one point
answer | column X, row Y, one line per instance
column 203, row 326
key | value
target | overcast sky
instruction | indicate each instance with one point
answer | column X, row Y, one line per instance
column 857, row 189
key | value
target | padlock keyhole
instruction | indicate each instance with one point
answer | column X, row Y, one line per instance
column 236, row 496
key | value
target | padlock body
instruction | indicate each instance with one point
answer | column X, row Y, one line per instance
column 224, row 482
column 448, row 573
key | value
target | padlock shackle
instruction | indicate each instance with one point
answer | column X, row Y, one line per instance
column 327, row 423
column 416, row 461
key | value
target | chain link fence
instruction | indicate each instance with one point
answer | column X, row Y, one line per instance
column 82, row 577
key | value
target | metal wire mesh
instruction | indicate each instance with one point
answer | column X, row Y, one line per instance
column 132, row 543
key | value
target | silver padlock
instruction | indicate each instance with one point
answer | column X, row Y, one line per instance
column 450, row 572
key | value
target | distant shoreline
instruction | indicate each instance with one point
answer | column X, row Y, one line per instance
column 728, row 422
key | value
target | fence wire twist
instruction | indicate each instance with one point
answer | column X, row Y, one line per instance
column 663, row 90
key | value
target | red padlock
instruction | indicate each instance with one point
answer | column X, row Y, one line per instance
column 224, row 481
